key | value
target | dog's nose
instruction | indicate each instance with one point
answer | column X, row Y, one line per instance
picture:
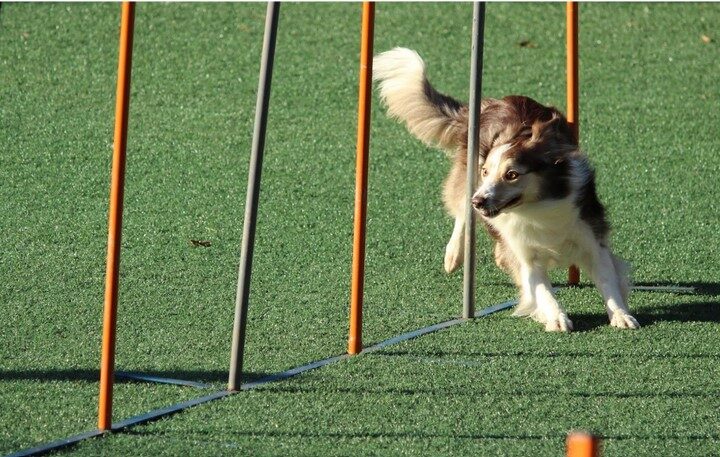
column 478, row 201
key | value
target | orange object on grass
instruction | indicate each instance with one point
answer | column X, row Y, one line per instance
column 361, row 179
column 573, row 93
column 107, row 363
column 582, row 445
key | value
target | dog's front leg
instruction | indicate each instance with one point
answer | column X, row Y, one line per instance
column 536, row 284
column 455, row 249
column 607, row 278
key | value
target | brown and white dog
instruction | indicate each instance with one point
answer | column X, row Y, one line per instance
column 536, row 192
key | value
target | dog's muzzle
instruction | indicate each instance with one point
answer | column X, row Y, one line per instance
column 488, row 208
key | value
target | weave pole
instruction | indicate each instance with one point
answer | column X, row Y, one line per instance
column 361, row 177
column 580, row 444
column 253, row 193
column 476, row 61
column 117, row 185
column 573, row 93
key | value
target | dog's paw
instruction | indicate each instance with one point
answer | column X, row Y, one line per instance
column 559, row 323
column 453, row 258
column 623, row 320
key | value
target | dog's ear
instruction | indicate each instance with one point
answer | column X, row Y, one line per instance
column 556, row 129
column 555, row 138
column 492, row 124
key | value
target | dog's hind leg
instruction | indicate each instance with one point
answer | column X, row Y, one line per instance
column 455, row 249
column 610, row 275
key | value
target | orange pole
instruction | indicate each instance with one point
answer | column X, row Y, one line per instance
column 361, row 178
column 107, row 363
column 582, row 445
column 573, row 117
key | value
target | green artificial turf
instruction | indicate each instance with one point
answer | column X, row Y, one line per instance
column 495, row 386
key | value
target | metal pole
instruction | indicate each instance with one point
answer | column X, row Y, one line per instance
column 476, row 61
column 117, row 183
column 573, row 113
column 361, row 178
column 253, row 192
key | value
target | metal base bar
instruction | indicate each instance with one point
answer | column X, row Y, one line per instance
column 57, row 444
column 168, row 410
column 434, row 328
column 178, row 407
column 172, row 409
column 294, row 371
column 136, row 376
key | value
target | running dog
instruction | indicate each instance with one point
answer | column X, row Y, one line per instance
column 536, row 192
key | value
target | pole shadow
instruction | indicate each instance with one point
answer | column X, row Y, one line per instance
column 87, row 375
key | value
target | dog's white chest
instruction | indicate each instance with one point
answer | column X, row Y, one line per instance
column 552, row 235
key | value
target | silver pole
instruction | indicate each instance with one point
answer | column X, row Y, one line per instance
column 253, row 191
column 476, row 59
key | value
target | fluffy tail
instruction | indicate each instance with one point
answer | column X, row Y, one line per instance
column 434, row 118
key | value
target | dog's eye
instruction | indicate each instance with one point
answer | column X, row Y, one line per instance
column 511, row 175
column 484, row 172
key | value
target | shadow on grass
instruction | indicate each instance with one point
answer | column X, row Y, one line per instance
column 209, row 376
column 682, row 312
column 708, row 311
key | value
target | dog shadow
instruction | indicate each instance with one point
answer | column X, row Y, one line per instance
column 698, row 311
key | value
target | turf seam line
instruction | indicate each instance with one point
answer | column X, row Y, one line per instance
column 669, row 289
column 178, row 407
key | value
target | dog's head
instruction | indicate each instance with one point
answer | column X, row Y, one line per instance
column 525, row 149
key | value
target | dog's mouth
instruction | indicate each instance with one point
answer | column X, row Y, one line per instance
column 492, row 211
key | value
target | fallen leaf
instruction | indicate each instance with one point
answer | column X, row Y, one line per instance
column 203, row 243
column 527, row 44
column 705, row 39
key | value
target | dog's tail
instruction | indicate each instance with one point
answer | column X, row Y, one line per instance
column 434, row 118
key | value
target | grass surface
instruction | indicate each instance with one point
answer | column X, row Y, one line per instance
column 499, row 385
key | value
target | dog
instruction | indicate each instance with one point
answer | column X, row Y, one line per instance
column 536, row 194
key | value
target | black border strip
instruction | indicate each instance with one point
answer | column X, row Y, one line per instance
column 136, row 376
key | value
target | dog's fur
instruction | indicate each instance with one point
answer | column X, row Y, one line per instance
column 536, row 194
